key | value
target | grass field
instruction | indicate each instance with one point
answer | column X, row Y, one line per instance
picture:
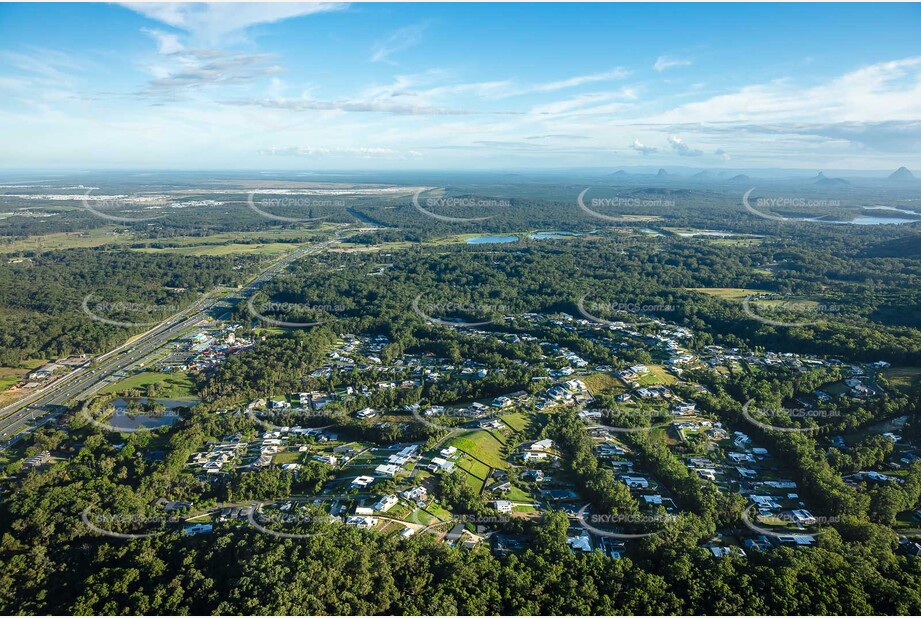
column 185, row 245
column 474, row 482
column 517, row 494
column 474, row 467
column 726, row 293
column 902, row 378
column 285, row 457
column 481, row 445
column 212, row 249
column 656, row 375
column 169, row 385
column 602, row 382
column 11, row 375
column 66, row 240
column 517, row 421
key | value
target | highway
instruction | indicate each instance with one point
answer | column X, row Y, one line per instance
column 48, row 402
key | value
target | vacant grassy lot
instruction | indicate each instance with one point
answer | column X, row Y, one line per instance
column 481, row 445
column 656, row 375
column 517, row 421
column 726, row 293
column 227, row 249
column 169, row 385
column 11, row 375
column 289, row 456
column 517, row 494
column 474, row 467
column 236, row 242
column 602, row 383
column 65, row 240
column 902, row 378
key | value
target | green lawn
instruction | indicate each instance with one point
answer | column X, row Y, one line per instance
column 212, row 249
column 474, row 482
column 285, row 457
column 726, row 293
column 517, row 494
column 11, row 375
column 656, row 375
column 902, row 378
column 107, row 236
column 602, row 383
column 174, row 385
column 522, row 508
column 481, row 445
column 517, row 421
column 474, row 467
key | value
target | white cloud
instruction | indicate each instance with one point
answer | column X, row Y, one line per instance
column 364, row 152
column 641, row 148
column 399, row 40
column 664, row 63
column 579, row 80
column 879, row 92
column 504, row 89
column 167, row 42
column 683, row 150
column 209, row 22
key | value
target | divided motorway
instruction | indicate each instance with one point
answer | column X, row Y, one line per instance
column 49, row 402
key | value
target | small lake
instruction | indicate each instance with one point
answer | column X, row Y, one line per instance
column 717, row 234
column 552, row 235
column 489, row 240
column 122, row 419
column 893, row 209
column 870, row 220
column 860, row 220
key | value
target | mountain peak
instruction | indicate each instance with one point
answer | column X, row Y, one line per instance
column 662, row 173
column 903, row 173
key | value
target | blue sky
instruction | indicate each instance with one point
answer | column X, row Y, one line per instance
column 477, row 86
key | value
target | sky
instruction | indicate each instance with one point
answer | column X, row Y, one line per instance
column 459, row 86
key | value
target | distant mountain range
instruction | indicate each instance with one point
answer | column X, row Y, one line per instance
column 903, row 173
column 822, row 179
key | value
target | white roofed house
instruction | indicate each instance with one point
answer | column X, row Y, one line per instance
column 449, row 451
column 416, row 494
column 387, row 470
column 441, row 464
column 386, row 503
column 361, row 521
column 366, row 413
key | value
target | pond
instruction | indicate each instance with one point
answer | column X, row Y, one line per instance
column 555, row 235
column 486, row 240
column 860, row 220
column 122, row 419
